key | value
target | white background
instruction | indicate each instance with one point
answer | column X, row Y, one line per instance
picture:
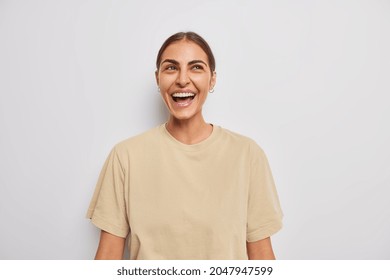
column 308, row 80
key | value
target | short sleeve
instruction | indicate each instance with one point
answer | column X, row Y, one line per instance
column 264, row 211
column 107, row 209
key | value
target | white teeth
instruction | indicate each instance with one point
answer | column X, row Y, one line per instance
column 183, row 94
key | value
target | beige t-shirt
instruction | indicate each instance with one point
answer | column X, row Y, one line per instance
column 178, row 201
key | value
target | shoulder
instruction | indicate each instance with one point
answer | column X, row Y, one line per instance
column 243, row 145
column 138, row 142
column 239, row 139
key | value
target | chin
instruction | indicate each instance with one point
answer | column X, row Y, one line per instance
column 183, row 116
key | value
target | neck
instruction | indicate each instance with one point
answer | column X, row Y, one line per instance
column 189, row 131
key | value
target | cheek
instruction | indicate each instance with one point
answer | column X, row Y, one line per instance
column 166, row 82
column 201, row 81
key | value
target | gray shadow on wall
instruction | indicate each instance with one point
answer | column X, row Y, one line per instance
column 162, row 111
column 159, row 114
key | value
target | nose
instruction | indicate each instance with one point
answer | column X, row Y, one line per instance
column 183, row 79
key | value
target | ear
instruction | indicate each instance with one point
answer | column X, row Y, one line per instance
column 157, row 78
column 213, row 80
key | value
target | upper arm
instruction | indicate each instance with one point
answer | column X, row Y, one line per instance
column 265, row 215
column 111, row 247
column 260, row 250
column 108, row 207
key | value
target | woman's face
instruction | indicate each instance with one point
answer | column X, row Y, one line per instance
column 184, row 78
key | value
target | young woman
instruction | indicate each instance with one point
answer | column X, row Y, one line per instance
column 186, row 189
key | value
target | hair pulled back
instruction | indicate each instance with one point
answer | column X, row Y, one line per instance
column 190, row 36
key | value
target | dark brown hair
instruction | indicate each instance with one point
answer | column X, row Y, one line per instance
column 190, row 36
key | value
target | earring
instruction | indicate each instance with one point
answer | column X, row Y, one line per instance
column 158, row 88
column 211, row 90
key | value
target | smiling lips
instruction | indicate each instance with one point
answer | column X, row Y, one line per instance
column 183, row 99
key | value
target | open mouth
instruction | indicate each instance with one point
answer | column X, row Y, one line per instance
column 183, row 96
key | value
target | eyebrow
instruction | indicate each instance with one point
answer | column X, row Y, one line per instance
column 189, row 63
column 197, row 61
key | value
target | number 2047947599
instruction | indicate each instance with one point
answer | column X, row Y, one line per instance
column 236, row 270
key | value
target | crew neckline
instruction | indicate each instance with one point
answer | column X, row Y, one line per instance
column 191, row 147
